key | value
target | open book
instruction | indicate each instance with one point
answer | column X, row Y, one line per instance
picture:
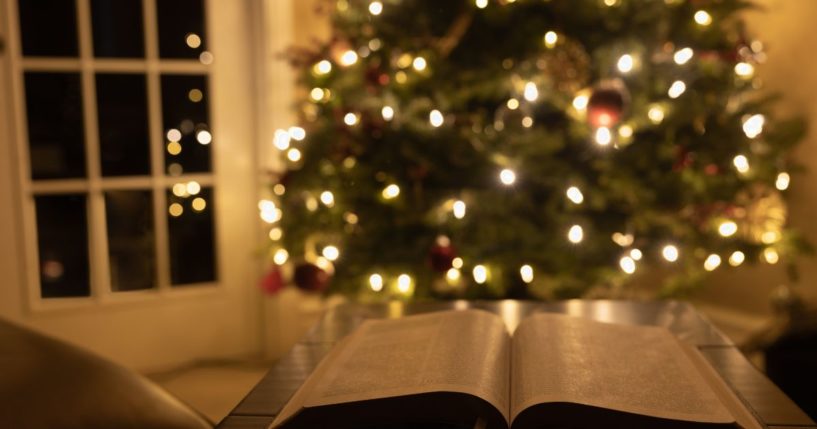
column 462, row 368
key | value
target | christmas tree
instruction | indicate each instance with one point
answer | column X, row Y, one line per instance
column 492, row 148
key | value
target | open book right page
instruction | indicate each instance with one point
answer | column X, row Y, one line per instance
column 634, row 369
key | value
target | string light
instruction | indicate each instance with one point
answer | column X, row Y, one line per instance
column 280, row 257
column 575, row 195
column 526, row 272
column 575, row 234
column 603, row 136
column 736, row 258
column 727, row 228
column 480, row 274
column 327, row 198
column 625, row 131
column 193, row 187
column 551, row 38
column 435, row 118
column 580, row 102
column 276, row 233
column 636, row 254
column 531, row 93
column 174, row 135
column 175, row 209
column 670, row 253
column 376, row 282
column 453, row 275
column 404, row 61
column 678, row 87
column 703, row 18
column 507, row 177
column 527, row 122
column 331, row 253
column 174, row 148
column 279, row 189
column 348, row 58
column 682, row 56
column 322, row 67
column 656, row 114
column 387, row 112
column 482, row 4
column 401, row 77
column 375, row 8
column 297, row 133
column 294, row 155
column 771, row 256
column 350, row 119
column 753, row 126
column 391, row 191
column 513, row 104
column 459, row 209
column 623, row 240
column 741, row 164
column 419, row 64
column 627, row 264
column 404, row 283
column 281, row 140
column 782, row 182
column 744, row 70
column 770, row 237
column 625, row 63
column 318, row 94
column 457, row 263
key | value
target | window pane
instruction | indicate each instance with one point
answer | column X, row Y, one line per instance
column 62, row 239
column 131, row 241
column 181, row 28
column 185, row 117
column 123, row 124
column 192, row 242
column 117, row 28
column 48, row 27
column 55, row 130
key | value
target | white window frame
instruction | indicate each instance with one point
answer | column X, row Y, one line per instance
column 94, row 185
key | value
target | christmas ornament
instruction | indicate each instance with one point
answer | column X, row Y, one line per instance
column 273, row 281
column 310, row 277
column 607, row 103
column 441, row 256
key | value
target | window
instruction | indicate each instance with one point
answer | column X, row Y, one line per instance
column 116, row 164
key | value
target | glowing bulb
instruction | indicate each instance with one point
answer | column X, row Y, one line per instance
column 753, row 126
column 174, row 135
column 459, row 209
column 294, row 155
column 682, row 56
column 513, row 104
column 771, row 256
column 482, row 4
column 322, row 67
column 331, row 253
column 782, row 182
column 327, row 198
column 318, row 94
column 480, row 274
column 435, row 118
column 350, row 119
column 744, row 70
column 507, row 177
column 703, row 18
column 527, row 122
column 575, row 195
column 625, row 63
column 193, row 40
column 204, row 137
column 770, row 237
column 727, row 228
column 419, row 64
column 279, row 189
column 531, row 93
column 580, row 102
column 656, row 114
column 712, row 262
column 348, row 58
column 174, row 148
column 627, row 264
column 670, row 253
column 623, row 240
column 736, row 258
column 391, row 191
column 526, row 272
column 625, row 131
column 575, row 234
column 281, row 140
column 387, row 112
column 375, row 8
column 175, row 209
column 741, row 164
column 297, row 133
column 376, row 282
column 551, row 38
column 603, row 136
column 678, row 87
column 276, row 233
column 636, row 254
column 281, row 256
column 453, row 274
column 457, row 263
column 404, row 283
column 193, row 187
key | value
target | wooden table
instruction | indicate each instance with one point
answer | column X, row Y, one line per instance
column 764, row 399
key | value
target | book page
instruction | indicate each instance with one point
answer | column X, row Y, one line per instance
column 635, row 369
column 453, row 351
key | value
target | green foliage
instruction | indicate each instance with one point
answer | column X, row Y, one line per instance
column 671, row 180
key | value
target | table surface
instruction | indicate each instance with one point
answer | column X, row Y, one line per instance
column 772, row 407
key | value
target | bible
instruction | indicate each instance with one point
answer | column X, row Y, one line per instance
column 464, row 369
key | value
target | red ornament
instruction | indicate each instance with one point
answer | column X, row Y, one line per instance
column 607, row 103
column 442, row 256
column 273, row 281
column 311, row 278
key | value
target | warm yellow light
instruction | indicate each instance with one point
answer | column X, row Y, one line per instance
column 419, row 64
column 311, row 203
column 279, row 189
column 580, row 102
column 459, row 209
column 603, row 136
column 770, row 237
column 198, row 204
column 678, row 87
column 269, row 213
column 195, row 95
column 294, row 155
column 482, row 4
column 350, row 119
column 387, row 112
column 348, row 58
column 453, row 274
column 623, row 240
column 404, row 283
column 682, row 56
column 741, row 164
column 507, row 177
column 297, row 133
column 513, row 104
column 375, row 8
column 318, row 94
column 331, row 253
column 376, row 282
column 656, row 114
column 327, row 198
column 625, row 63
column 435, row 118
column 174, row 148
column 174, row 135
column 575, row 234
column 401, row 77
column 744, row 70
column 391, row 191
column 351, row 218
column 753, row 126
column 551, row 38
column 727, row 228
column 712, row 262
column 736, row 258
column 627, row 264
column 175, row 209
column 625, row 131
column 276, row 233
column 322, row 67
column 480, row 274
column 193, row 187
column 280, row 257
column 611, row 3
column 527, row 122
column 531, row 92
column 193, row 40
column 457, row 263
column 526, row 272
column 771, row 256
column 206, row 58
column 180, row 190
column 575, row 195
column 782, row 182
column 636, row 254
column 204, row 137
column 281, row 140
column 703, row 18
column 670, row 253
